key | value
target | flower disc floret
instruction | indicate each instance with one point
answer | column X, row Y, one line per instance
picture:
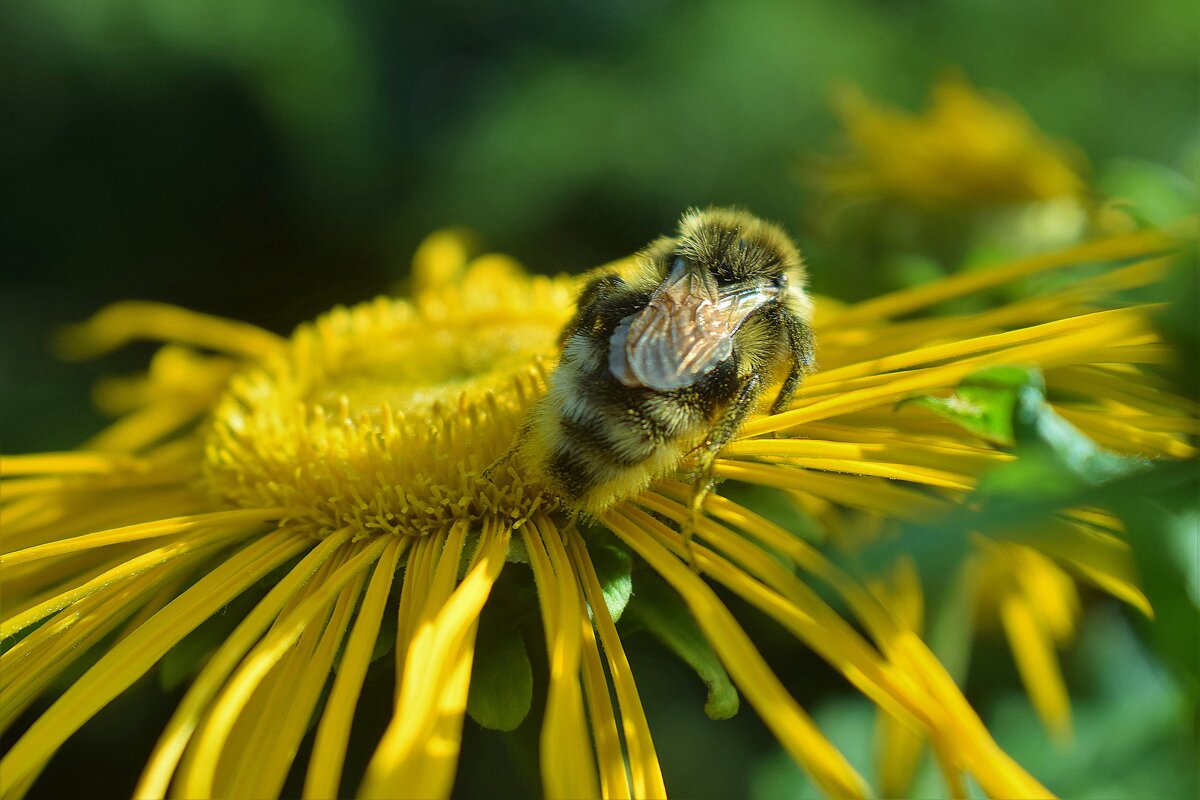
column 384, row 416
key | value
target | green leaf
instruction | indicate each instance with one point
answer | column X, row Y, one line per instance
column 1163, row 524
column 501, row 678
column 1055, row 464
column 657, row 608
column 1007, row 404
column 1040, row 429
column 614, row 568
column 985, row 402
column 1152, row 194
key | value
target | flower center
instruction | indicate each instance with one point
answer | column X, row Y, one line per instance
column 385, row 415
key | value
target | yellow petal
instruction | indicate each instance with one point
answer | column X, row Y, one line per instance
column 125, row 322
column 73, row 463
column 871, row 494
column 567, row 761
column 126, row 569
column 906, row 301
column 791, row 726
column 270, row 743
column 1037, row 662
column 125, row 663
column 219, row 520
column 183, row 723
column 644, row 769
column 419, row 750
column 953, row 724
column 610, row 756
column 898, row 751
column 333, row 732
column 211, row 737
column 1098, row 557
column 34, row 663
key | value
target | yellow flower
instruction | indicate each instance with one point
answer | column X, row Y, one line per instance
column 347, row 460
column 966, row 150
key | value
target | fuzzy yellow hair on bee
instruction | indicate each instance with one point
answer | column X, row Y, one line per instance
column 670, row 358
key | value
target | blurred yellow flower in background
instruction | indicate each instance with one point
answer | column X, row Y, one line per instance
column 966, row 150
column 345, row 463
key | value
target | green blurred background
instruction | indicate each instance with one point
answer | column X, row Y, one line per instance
column 265, row 161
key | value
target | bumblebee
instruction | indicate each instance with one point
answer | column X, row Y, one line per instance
column 669, row 359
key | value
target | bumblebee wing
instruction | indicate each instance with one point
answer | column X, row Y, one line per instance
column 667, row 345
column 667, row 348
column 737, row 302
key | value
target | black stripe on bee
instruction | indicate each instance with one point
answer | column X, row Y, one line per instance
column 574, row 471
column 593, row 434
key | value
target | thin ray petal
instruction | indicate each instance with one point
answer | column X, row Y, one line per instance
column 70, row 513
column 75, row 462
column 867, row 493
column 333, row 732
column 211, row 736
column 145, row 530
column 1123, row 437
column 250, row 758
column 298, row 690
column 567, row 761
column 125, row 663
column 794, row 605
column 908, row 300
column 643, row 760
column 1037, row 663
column 1136, row 389
column 183, row 723
column 121, row 323
column 1103, row 325
column 34, row 663
column 772, row 453
column 1100, row 558
column 963, row 733
column 145, row 427
column 415, row 590
column 791, row 726
column 610, row 756
column 1065, row 348
column 132, row 567
column 419, row 750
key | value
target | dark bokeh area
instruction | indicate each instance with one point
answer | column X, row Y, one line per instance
column 266, row 161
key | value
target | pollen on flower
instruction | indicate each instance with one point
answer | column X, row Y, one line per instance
column 384, row 416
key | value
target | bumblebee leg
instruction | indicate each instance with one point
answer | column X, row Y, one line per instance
column 702, row 486
column 522, row 435
column 800, row 341
column 499, row 462
column 721, row 434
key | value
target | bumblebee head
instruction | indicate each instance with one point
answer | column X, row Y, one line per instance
column 733, row 246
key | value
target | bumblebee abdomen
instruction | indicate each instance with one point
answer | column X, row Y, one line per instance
column 594, row 441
